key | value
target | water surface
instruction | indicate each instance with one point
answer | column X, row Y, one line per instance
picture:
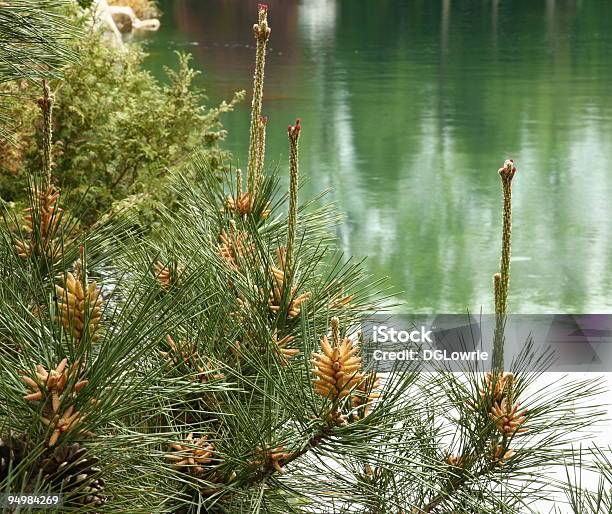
column 409, row 107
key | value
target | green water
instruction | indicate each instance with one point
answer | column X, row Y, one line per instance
column 408, row 110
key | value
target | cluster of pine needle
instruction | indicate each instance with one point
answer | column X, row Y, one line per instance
column 217, row 366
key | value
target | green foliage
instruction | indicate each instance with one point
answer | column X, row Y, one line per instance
column 34, row 44
column 34, row 39
column 225, row 379
column 117, row 129
column 589, row 481
column 194, row 357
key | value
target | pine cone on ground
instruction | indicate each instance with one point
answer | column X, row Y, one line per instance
column 69, row 469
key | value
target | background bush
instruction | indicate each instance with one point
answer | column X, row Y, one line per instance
column 117, row 128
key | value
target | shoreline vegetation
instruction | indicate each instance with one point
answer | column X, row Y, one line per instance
column 214, row 364
column 117, row 129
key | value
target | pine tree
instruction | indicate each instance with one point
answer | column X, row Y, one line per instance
column 219, row 367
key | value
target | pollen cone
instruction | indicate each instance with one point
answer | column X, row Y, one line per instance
column 497, row 386
column 193, row 455
column 49, row 386
column 244, row 204
column 508, row 418
column 80, row 308
column 366, row 392
column 46, row 215
column 233, row 247
column 501, row 455
column 274, row 458
column 337, row 369
column 278, row 289
column 283, row 352
column 163, row 274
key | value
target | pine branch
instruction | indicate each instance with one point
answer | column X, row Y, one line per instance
column 501, row 280
column 271, row 468
column 34, row 36
column 261, row 31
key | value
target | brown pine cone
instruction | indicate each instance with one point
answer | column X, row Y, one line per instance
column 71, row 470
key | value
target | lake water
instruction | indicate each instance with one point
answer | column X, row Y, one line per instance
column 409, row 107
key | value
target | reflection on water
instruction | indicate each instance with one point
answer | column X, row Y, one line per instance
column 410, row 106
